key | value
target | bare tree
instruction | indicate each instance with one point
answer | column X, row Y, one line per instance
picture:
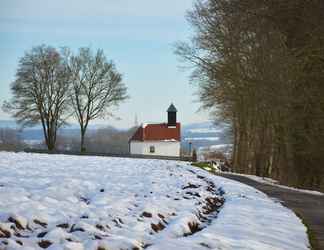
column 40, row 91
column 96, row 87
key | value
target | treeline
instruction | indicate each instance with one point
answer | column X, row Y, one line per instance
column 10, row 140
column 106, row 140
column 260, row 66
column 103, row 140
column 52, row 86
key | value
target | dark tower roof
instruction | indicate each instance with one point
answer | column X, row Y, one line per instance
column 172, row 108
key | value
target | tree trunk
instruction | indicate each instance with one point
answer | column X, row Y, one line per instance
column 82, row 143
column 51, row 146
column 51, row 140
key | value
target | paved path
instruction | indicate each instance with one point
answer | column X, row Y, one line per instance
column 308, row 206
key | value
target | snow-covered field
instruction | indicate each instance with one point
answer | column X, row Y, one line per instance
column 78, row 202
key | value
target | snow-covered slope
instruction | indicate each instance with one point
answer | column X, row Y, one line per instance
column 78, row 202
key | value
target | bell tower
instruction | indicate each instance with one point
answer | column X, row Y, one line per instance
column 172, row 116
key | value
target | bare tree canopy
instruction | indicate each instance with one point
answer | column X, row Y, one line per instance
column 40, row 91
column 260, row 65
column 96, row 86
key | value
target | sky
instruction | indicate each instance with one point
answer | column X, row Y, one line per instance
column 139, row 36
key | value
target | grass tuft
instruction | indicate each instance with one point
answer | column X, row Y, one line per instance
column 311, row 235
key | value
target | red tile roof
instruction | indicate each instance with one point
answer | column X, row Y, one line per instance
column 157, row 132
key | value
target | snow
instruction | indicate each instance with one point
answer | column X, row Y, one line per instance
column 206, row 130
column 33, row 142
column 145, row 124
column 276, row 183
column 81, row 203
column 220, row 146
column 202, row 138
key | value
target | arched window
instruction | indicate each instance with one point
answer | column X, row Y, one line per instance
column 152, row 149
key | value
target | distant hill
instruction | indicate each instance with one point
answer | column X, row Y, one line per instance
column 8, row 124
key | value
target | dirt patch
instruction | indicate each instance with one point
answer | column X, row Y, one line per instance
column 190, row 185
column 161, row 216
column 194, row 228
column 16, row 222
column 43, row 224
column 118, row 222
column 204, row 245
column 44, row 243
column 74, row 228
column 193, row 194
column 100, row 227
column 41, row 235
column 85, row 200
column 97, row 237
column 19, row 242
column 63, row 225
column 146, row 214
column 212, row 204
column 4, row 233
column 157, row 227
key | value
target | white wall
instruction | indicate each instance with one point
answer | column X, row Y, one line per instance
column 163, row 148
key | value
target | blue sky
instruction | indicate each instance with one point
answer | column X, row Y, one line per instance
column 137, row 35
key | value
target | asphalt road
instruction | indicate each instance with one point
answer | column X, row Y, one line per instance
column 309, row 207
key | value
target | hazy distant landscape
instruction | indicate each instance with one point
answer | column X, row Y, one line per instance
column 201, row 135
